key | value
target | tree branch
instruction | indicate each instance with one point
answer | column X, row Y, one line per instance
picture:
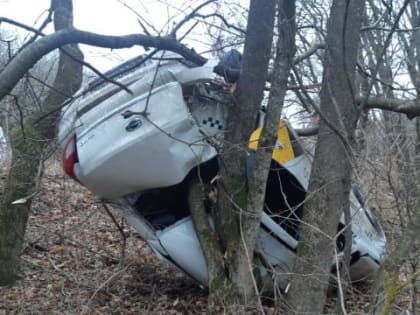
column 408, row 107
column 223, row 19
column 313, row 49
column 18, row 24
column 411, row 108
column 44, row 24
column 86, row 64
column 34, row 52
column 299, row 58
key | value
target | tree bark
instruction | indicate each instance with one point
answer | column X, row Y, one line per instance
column 238, row 242
column 285, row 51
column 234, row 290
column 209, row 241
column 28, row 149
column 388, row 284
column 329, row 185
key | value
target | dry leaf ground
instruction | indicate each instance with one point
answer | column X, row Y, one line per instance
column 72, row 264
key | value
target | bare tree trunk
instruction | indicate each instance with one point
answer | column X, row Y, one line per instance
column 242, row 116
column 407, row 156
column 4, row 137
column 285, row 51
column 213, row 252
column 236, row 289
column 28, row 149
column 329, row 185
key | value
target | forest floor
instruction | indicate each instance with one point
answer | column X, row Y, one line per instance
column 73, row 264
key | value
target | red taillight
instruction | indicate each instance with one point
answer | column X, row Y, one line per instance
column 70, row 156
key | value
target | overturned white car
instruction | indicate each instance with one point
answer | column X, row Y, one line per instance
column 141, row 149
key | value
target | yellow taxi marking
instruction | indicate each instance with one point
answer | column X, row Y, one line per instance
column 283, row 150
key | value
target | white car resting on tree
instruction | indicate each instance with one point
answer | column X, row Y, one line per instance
column 142, row 151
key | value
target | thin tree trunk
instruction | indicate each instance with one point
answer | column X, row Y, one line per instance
column 329, row 185
column 236, row 290
column 233, row 186
column 285, row 51
column 28, row 148
column 212, row 250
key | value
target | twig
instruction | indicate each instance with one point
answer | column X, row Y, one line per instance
column 112, row 277
column 120, row 229
column 144, row 112
column 86, row 64
column 221, row 17
column 339, row 284
column 21, row 25
column 189, row 17
column 141, row 20
column 382, row 53
column 47, row 20
column 31, row 76
column 188, row 32
column 97, row 72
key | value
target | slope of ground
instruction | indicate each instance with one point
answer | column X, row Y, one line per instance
column 73, row 264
